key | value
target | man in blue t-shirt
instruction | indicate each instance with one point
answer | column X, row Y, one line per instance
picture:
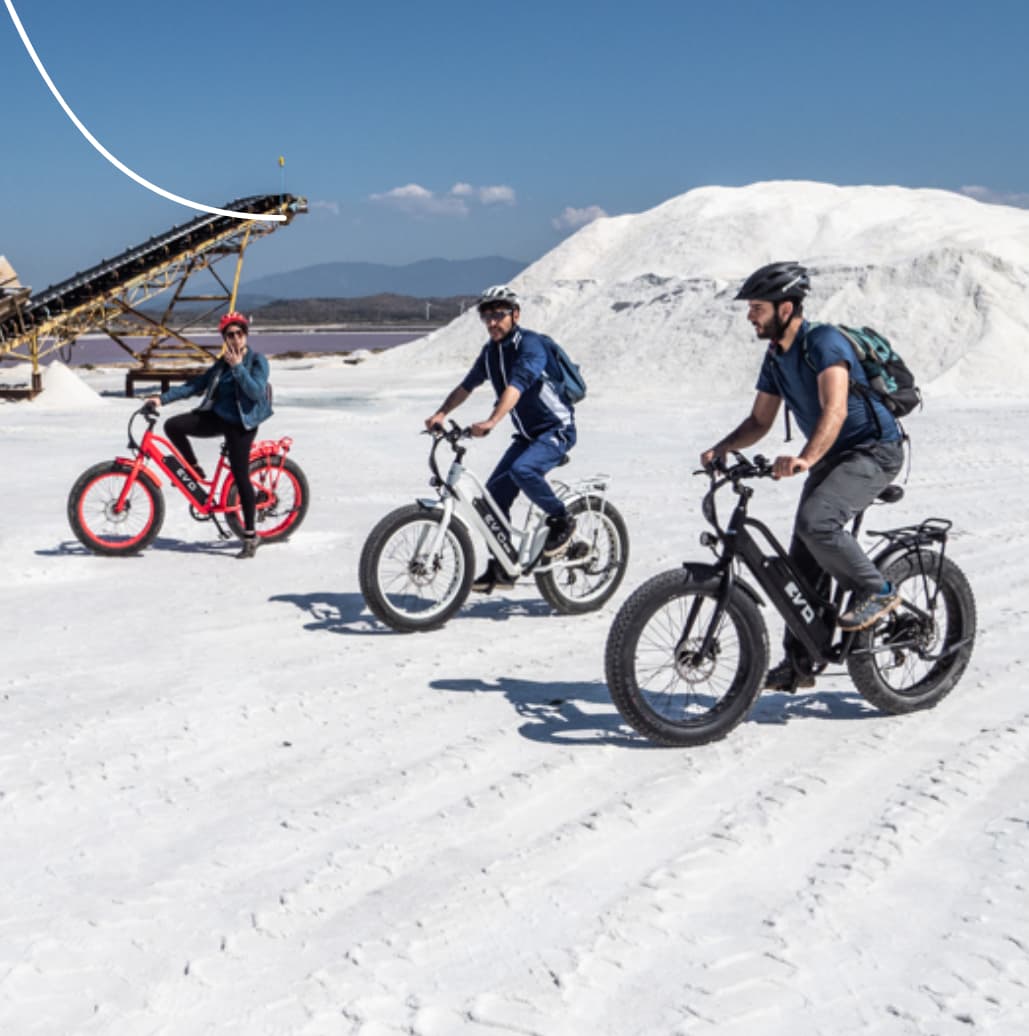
column 854, row 448
column 516, row 362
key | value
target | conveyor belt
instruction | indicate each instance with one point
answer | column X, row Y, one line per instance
column 100, row 297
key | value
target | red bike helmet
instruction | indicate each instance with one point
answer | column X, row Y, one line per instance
column 233, row 318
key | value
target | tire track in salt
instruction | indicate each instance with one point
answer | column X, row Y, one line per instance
column 980, row 970
column 681, row 910
column 719, row 980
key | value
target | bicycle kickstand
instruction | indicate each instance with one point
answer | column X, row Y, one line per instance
column 223, row 533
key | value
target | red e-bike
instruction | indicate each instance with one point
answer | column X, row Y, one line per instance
column 117, row 507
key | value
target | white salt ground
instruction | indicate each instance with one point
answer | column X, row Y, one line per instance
column 233, row 803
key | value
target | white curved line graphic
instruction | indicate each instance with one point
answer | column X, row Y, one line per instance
column 107, row 154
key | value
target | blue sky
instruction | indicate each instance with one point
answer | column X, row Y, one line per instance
column 462, row 129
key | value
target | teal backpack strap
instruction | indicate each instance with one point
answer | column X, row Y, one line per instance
column 810, row 363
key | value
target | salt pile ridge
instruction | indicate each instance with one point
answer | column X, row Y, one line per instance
column 648, row 297
column 64, row 389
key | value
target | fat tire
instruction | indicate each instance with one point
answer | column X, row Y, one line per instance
column 377, row 597
column 80, row 522
column 623, row 642
column 871, row 673
column 549, row 584
column 285, row 528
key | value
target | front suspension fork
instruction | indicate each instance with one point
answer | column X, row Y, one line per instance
column 704, row 652
column 436, row 546
column 130, row 481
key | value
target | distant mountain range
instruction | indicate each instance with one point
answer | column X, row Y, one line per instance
column 427, row 278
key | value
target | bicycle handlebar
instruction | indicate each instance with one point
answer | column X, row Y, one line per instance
column 149, row 414
column 759, row 467
column 451, row 434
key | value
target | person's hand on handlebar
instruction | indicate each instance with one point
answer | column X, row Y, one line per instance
column 710, row 459
column 482, row 428
column 152, row 401
column 436, row 423
column 785, row 466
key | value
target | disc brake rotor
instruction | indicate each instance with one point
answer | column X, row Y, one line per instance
column 689, row 667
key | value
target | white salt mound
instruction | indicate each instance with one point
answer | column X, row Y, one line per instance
column 647, row 299
column 63, row 389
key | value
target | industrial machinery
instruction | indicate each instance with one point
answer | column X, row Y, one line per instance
column 109, row 297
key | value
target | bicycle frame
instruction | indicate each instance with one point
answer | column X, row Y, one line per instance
column 463, row 495
column 810, row 616
column 207, row 498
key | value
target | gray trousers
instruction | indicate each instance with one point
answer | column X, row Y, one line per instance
column 834, row 492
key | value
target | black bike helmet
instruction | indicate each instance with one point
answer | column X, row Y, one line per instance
column 776, row 282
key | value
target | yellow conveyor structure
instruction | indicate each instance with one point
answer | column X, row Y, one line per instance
column 107, row 298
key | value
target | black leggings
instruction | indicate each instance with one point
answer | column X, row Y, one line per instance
column 205, row 424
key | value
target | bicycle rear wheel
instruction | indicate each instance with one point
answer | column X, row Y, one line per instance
column 656, row 678
column 282, row 494
column 914, row 659
column 586, row 577
column 97, row 522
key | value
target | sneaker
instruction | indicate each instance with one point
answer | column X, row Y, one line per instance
column 562, row 528
column 494, row 578
column 867, row 609
column 249, row 549
column 783, row 677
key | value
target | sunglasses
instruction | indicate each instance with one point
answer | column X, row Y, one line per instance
column 235, row 333
column 488, row 316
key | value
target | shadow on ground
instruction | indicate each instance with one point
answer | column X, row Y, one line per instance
column 553, row 712
column 72, row 548
column 778, row 707
column 347, row 613
column 333, row 612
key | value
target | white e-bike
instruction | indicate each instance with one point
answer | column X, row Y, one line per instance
column 417, row 564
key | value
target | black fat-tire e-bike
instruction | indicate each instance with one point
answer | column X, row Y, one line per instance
column 688, row 651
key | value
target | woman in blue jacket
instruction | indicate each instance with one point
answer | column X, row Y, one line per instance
column 235, row 391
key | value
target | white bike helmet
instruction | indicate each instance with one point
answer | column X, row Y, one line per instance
column 498, row 295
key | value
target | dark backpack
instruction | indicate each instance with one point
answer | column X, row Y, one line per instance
column 889, row 378
column 570, row 384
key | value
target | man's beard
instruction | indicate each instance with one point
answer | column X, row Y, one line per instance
column 772, row 329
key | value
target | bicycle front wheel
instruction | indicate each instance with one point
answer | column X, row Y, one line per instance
column 97, row 521
column 657, row 679
column 282, row 494
column 584, row 578
column 916, row 656
column 407, row 583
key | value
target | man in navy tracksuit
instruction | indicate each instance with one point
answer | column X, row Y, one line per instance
column 524, row 376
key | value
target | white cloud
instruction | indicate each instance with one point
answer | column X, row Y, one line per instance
column 572, row 218
column 419, row 201
column 329, row 206
column 992, row 197
column 500, row 194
